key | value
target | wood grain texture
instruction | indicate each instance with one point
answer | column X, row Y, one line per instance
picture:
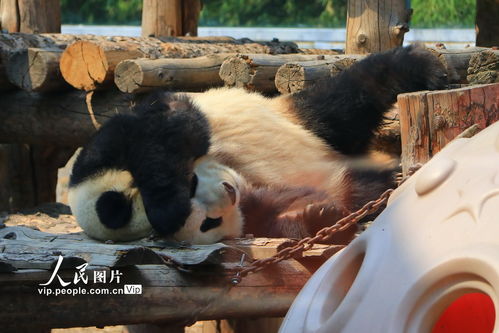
column 88, row 65
column 456, row 61
column 258, row 72
column 201, row 291
column 194, row 74
column 484, row 67
column 430, row 120
column 39, row 16
column 295, row 76
column 61, row 118
column 36, row 69
column 162, row 18
column 375, row 25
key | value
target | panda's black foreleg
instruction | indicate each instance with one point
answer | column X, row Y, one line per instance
column 346, row 109
column 167, row 140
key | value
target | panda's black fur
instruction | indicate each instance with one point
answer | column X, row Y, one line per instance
column 160, row 144
column 346, row 109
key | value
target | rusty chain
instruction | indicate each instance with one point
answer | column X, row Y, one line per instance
column 322, row 235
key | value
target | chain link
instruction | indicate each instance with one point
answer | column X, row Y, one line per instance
column 322, row 235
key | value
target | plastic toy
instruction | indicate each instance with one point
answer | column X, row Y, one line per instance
column 429, row 262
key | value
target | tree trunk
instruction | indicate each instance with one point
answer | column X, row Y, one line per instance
column 376, row 25
column 88, row 65
column 430, row 120
column 30, row 16
column 487, row 23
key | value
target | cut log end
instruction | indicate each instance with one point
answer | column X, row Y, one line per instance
column 290, row 78
column 83, row 65
column 36, row 69
column 127, row 76
column 236, row 71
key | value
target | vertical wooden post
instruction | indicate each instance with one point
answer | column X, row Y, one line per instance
column 161, row 18
column 170, row 17
column 30, row 16
column 487, row 23
column 376, row 25
column 190, row 17
column 29, row 172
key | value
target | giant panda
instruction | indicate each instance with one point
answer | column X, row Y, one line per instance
column 186, row 165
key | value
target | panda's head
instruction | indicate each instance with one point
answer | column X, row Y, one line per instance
column 215, row 204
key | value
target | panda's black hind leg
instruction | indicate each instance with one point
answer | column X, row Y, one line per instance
column 346, row 109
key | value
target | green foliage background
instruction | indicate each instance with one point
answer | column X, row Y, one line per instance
column 287, row 13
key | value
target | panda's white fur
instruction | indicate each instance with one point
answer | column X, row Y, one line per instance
column 300, row 140
column 254, row 135
column 83, row 198
column 211, row 200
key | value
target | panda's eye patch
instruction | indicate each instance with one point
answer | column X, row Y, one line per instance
column 210, row 223
column 194, row 185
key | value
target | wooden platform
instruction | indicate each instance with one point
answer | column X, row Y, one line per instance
column 180, row 283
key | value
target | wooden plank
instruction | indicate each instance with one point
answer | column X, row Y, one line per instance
column 167, row 295
column 414, row 129
column 430, row 120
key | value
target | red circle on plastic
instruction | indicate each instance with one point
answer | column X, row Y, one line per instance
column 470, row 313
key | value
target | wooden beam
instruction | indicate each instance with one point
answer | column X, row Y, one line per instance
column 199, row 291
column 62, row 118
column 430, row 120
column 376, row 25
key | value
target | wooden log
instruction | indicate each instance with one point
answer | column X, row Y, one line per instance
column 203, row 295
column 487, row 29
column 87, row 65
column 430, row 120
column 456, row 61
column 36, row 69
column 376, row 25
column 203, row 287
column 30, row 16
column 62, row 118
column 295, row 76
column 161, row 18
column 257, row 72
column 484, row 67
column 195, row 74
